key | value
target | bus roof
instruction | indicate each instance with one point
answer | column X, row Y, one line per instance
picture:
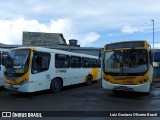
column 43, row 49
column 127, row 44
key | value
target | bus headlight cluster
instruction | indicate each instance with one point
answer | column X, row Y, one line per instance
column 144, row 80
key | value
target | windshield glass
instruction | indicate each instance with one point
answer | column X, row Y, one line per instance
column 18, row 61
column 126, row 61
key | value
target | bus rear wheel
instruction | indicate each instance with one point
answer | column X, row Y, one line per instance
column 89, row 80
column 56, row 85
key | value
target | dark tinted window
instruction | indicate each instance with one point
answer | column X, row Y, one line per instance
column 85, row 62
column 93, row 63
column 40, row 62
column 129, row 44
column 75, row 62
column 61, row 61
column 98, row 63
column 0, row 58
column 4, row 57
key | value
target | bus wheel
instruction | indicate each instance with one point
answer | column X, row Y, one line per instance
column 56, row 85
column 89, row 80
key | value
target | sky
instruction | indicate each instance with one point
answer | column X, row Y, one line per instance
column 93, row 23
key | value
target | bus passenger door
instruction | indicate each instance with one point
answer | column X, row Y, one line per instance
column 40, row 71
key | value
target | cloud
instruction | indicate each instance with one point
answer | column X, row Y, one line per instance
column 86, row 14
column 69, row 31
column 11, row 30
column 130, row 30
column 89, row 38
column 64, row 26
column 114, row 17
column 156, row 45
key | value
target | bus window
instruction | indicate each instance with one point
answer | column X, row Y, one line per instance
column 61, row 61
column 4, row 57
column 0, row 57
column 93, row 63
column 85, row 62
column 98, row 63
column 75, row 62
column 40, row 62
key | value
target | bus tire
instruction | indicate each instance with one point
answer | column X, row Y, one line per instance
column 89, row 80
column 56, row 85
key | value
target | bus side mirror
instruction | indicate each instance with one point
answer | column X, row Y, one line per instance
column 151, row 57
column 101, row 55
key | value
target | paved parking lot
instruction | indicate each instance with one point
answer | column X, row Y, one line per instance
column 82, row 98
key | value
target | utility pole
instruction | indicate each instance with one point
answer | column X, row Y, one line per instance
column 153, row 39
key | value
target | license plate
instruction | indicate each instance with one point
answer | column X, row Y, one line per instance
column 122, row 87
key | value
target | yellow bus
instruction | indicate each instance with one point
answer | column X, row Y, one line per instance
column 127, row 66
column 31, row 69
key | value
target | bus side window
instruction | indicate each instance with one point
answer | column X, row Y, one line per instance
column 62, row 61
column 98, row 63
column 0, row 58
column 85, row 62
column 4, row 58
column 40, row 62
column 75, row 62
column 93, row 63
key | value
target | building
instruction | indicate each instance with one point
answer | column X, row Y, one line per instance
column 42, row 39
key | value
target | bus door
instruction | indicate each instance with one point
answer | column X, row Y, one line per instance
column 40, row 74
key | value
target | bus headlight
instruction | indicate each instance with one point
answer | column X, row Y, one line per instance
column 144, row 80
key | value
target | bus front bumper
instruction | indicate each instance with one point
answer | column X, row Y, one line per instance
column 121, row 87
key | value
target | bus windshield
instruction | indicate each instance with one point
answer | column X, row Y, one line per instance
column 17, row 62
column 126, row 62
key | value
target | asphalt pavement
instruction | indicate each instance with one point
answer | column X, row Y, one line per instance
column 81, row 100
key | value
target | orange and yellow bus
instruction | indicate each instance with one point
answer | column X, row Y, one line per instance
column 30, row 69
column 127, row 66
